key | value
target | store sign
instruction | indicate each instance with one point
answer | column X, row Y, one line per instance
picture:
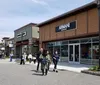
column 68, row 26
column 21, row 34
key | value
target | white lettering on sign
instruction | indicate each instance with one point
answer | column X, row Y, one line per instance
column 21, row 34
column 64, row 27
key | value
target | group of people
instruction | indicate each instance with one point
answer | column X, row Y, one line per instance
column 30, row 58
column 44, row 58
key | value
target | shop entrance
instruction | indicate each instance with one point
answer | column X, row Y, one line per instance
column 74, row 53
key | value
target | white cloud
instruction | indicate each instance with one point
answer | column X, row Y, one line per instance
column 40, row 2
column 6, row 34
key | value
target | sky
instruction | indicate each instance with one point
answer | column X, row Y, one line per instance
column 17, row 13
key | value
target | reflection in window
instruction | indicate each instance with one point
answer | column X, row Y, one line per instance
column 57, row 48
column 64, row 51
column 95, row 50
column 50, row 49
column 86, row 51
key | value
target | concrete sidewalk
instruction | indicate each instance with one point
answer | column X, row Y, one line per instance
column 67, row 66
column 7, row 60
column 61, row 65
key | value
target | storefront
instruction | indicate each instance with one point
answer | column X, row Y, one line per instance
column 82, row 50
column 26, row 40
column 73, row 34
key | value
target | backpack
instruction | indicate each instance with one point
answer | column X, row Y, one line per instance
column 44, row 61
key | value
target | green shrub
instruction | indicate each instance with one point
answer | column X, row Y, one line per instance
column 94, row 68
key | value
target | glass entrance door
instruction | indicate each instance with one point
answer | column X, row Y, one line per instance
column 74, row 53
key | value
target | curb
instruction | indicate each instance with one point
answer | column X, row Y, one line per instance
column 91, row 72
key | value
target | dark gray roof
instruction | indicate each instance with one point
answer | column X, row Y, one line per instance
column 26, row 25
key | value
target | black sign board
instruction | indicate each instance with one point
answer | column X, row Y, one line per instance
column 68, row 26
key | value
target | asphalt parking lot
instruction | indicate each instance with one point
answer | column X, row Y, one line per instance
column 15, row 74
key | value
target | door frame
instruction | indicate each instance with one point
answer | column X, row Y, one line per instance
column 74, row 53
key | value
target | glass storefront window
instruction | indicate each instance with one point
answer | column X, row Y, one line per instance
column 57, row 43
column 86, row 51
column 64, row 51
column 95, row 50
column 64, row 42
column 85, row 41
column 95, row 40
column 89, row 47
column 57, row 48
column 50, row 44
column 73, row 41
column 50, row 49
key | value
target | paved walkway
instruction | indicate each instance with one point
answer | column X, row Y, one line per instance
column 61, row 65
column 15, row 74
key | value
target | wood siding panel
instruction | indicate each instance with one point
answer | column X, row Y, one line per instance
column 42, row 33
column 88, row 19
column 46, row 32
column 40, row 36
column 52, row 31
column 93, row 20
column 60, row 34
column 69, row 33
column 81, row 23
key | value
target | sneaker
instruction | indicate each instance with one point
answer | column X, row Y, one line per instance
column 45, row 74
column 54, row 70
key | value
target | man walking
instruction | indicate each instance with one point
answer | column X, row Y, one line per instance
column 38, row 58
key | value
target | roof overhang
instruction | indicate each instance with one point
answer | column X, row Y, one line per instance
column 70, row 13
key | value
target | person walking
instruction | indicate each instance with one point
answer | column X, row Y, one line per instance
column 44, row 62
column 34, row 59
column 49, row 59
column 55, row 60
column 30, row 58
column 11, row 55
column 38, row 58
column 23, row 57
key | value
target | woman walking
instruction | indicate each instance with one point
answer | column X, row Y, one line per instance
column 49, row 59
column 55, row 60
column 44, row 62
column 23, row 59
column 30, row 58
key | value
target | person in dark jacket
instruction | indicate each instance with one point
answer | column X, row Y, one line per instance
column 38, row 58
column 55, row 60
column 44, row 62
column 22, row 59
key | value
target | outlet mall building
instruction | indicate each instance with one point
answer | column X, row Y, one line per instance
column 73, row 34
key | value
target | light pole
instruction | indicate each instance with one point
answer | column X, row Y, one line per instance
column 98, row 6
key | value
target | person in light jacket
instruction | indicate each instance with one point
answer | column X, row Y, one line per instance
column 23, row 59
column 49, row 59
column 11, row 55
column 30, row 57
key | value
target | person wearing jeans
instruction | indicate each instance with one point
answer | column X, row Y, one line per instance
column 44, row 62
column 38, row 58
column 55, row 60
